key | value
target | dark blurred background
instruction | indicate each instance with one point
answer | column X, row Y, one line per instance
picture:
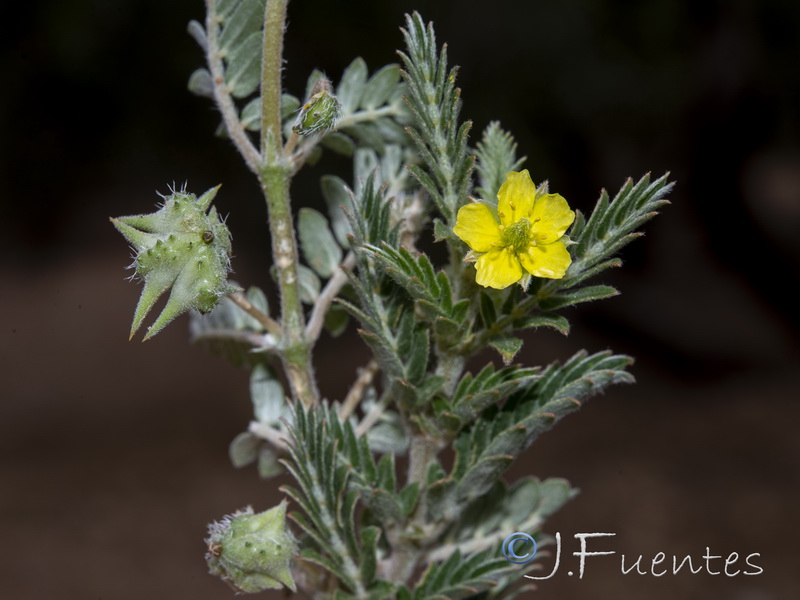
column 114, row 453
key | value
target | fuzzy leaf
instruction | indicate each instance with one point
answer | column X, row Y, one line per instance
column 243, row 74
column 556, row 322
column 380, row 87
column 351, row 87
column 435, row 104
column 266, row 392
column 497, row 155
column 309, row 284
column 338, row 198
column 201, row 84
column 320, row 250
column 243, row 450
column 484, row 450
column 585, row 294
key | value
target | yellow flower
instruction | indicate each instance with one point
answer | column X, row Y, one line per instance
column 527, row 240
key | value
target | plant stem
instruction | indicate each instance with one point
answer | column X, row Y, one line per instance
column 242, row 302
column 271, row 66
column 295, row 348
column 356, row 392
column 406, row 553
column 275, row 175
column 323, row 303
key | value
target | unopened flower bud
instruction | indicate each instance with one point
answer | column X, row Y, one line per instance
column 251, row 552
column 320, row 113
column 182, row 248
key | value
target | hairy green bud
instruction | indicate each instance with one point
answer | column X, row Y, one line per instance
column 182, row 248
column 320, row 113
column 251, row 552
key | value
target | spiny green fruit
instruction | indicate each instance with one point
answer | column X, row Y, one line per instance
column 251, row 552
column 179, row 247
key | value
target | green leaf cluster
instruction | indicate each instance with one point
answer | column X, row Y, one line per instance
column 435, row 103
column 337, row 474
column 488, row 446
column 612, row 225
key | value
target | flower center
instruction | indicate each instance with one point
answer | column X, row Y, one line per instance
column 517, row 235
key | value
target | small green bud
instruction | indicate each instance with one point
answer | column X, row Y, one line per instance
column 321, row 112
column 252, row 552
column 182, row 248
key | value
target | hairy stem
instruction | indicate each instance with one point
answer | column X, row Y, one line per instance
column 295, row 348
column 271, row 66
column 275, row 176
column 405, row 552
column 356, row 392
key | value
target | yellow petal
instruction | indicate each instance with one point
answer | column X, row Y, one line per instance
column 546, row 260
column 498, row 269
column 477, row 226
column 515, row 198
column 551, row 218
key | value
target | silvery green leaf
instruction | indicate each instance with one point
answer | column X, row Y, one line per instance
column 337, row 197
column 309, row 284
column 366, row 161
column 380, row 86
column 243, row 74
column 197, row 31
column 497, row 155
column 289, row 104
column 268, row 465
column 369, row 134
column 266, row 392
column 320, row 250
column 201, row 84
column 245, row 19
column 226, row 7
column 243, row 449
column 352, row 85
column 386, row 437
column 339, row 143
column 251, row 114
column 553, row 494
